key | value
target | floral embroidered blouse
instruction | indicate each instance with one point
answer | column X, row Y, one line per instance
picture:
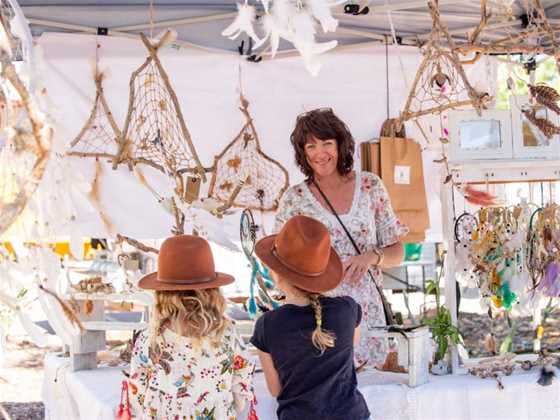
column 183, row 380
column 373, row 224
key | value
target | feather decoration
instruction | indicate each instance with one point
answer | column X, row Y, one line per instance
column 546, row 375
column 321, row 10
column 550, row 285
column 68, row 311
column 477, row 197
column 94, row 197
column 546, row 96
column 490, row 344
column 243, row 22
column 546, row 127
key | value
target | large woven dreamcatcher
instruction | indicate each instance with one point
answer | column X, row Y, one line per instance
column 155, row 132
column 243, row 176
column 25, row 136
column 100, row 135
column 440, row 83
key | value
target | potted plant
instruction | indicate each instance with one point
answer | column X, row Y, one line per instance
column 443, row 331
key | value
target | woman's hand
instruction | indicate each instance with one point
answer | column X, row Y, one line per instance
column 356, row 267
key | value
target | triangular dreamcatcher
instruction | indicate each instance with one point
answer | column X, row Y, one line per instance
column 440, row 83
column 100, row 134
column 243, row 176
column 155, row 132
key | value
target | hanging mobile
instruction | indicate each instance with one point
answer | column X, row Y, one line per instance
column 260, row 277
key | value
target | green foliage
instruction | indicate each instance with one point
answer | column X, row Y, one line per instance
column 443, row 330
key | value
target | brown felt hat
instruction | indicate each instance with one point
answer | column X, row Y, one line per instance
column 185, row 262
column 302, row 255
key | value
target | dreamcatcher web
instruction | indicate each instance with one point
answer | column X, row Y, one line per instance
column 262, row 180
column 440, row 82
column 155, row 132
column 100, row 135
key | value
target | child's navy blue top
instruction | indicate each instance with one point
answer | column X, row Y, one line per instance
column 314, row 386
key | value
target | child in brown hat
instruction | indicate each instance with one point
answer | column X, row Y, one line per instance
column 306, row 345
column 189, row 363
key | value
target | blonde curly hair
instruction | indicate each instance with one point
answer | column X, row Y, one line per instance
column 198, row 313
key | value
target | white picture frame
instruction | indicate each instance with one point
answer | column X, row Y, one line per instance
column 480, row 137
column 528, row 141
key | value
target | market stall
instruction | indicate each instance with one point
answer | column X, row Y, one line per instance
column 132, row 135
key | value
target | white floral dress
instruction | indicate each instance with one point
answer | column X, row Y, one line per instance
column 373, row 224
column 183, row 380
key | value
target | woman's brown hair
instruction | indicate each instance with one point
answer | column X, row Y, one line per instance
column 322, row 124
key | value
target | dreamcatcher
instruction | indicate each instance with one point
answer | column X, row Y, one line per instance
column 491, row 253
column 243, row 176
column 440, row 82
column 543, row 257
column 260, row 276
column 26, row 136
column 155, row 132
column 99, row 137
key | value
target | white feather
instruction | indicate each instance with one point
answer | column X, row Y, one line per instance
column 243, row 23
column 322, row 12
column 36, row 334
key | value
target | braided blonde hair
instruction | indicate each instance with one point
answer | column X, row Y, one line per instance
column 322, row 339
column 195, row 313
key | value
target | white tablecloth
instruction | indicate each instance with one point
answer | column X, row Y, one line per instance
column 94, row 395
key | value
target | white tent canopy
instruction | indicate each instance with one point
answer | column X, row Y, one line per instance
column 200, row 23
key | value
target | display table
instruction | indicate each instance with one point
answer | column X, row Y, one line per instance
column 95, row 394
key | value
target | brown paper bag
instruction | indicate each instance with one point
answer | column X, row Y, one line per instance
column 403, row 174
column 370, row 157
column 417, row 221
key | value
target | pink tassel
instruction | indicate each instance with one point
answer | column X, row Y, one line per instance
column 252, row 411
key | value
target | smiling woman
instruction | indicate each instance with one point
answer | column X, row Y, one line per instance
column 324, row 152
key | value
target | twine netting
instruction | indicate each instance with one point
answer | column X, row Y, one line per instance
column 440, row 82
column 242, row 163
column 155, row 132
column 100, row 135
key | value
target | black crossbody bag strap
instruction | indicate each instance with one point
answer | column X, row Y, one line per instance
column 389, row 317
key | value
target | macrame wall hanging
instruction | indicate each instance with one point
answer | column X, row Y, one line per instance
column 243, row 176
column 440, row 82
column 99, row 137
column 155, row 132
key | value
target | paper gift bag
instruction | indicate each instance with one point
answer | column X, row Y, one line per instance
column 417, row 221
column 370, row 157
column 402, row 173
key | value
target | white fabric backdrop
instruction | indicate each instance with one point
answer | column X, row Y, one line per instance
column 352, row 83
